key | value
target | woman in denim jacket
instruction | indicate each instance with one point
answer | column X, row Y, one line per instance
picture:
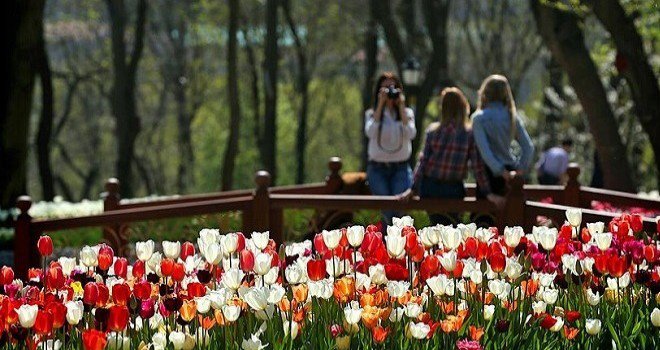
column 495, row 125
column 390, row 127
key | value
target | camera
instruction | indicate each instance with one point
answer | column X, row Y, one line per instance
column 393, row 93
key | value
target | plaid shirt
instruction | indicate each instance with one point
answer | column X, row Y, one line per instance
column 445, row 157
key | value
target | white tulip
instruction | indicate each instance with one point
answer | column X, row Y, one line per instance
column 513, row 269
column 231, row 312
column 467, row 231
column 574, row 216
column 437, row 284
column 558, row 325
column 592, row 326
column 430, row 236
column 262, row 263
column 484, row 235
column 294, row 274
column 413, row 310
column 603, row 240
column 171, row 249
column 212, row 253
column 254, row 343
column 448, row 260
column 272, row 275
column 418, row 330
column 395, row 244
column 569, row 263
column 403, row 222
column 355, row 235
column 74, row 312
column 116, row 341
column 275, row 294
column 548, row 238
column 27, row 315
column 208, row 236
column 293, row 327
column 377, row 274
column 159, row 339
column 353, row 313
column 596, row 227
column 451, row 237
column 489, row 311
column 397, row 288
column 51, row 344
column 177, row 339
column 257, row 298
column 550, row 296
column 397, row 314
column 232, row 278
column 144, row 250
column 68, row 264
column 655, row 317
column 331, row 238
column 512, row 235
column 229, row 243
column 89, row 257
column 593, row 299
column 261, row 239
column 539, row 307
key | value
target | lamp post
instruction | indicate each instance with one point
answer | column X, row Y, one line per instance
column 412, row 76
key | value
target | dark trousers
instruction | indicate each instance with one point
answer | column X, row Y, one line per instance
column 547, row 179
column 431, row 188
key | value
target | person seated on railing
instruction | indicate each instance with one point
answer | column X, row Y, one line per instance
column 551, row 167
column 496, row 124
column 443, row 163
column 390, row 127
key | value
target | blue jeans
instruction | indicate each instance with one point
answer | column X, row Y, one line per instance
column 389, row 179
column 432, row 188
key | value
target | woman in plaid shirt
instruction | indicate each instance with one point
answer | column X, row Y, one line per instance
column 443, row 164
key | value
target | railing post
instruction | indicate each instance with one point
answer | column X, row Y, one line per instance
column 514, row 209
column 116, row 234
column 261, row 212
column 25, row 242
column 572, row 188
column 334, row 181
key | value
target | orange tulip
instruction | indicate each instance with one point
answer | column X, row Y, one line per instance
column 188, row 310
column 344, row 289
column 379, row 334
column 206, row 322
column 530, row 287
column 476, row 333
column 219, row 318
column 367, row 299
column 570, row 332
column 371, row 316
column 300, row 292
column 94, row 339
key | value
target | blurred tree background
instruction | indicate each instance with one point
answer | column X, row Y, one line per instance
column 195, row 96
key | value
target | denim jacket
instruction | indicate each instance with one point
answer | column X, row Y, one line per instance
column 492, row 133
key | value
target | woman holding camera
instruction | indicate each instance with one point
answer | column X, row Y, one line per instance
column 390, row 127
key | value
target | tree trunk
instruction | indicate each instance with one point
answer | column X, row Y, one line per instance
column 302, row 87
column 25, row 29
column 231, row 150
column 564, row 38
column 270, row 87
column 637, row 72
column 370, row 66
column 123, row 99
column 257, row 129
column 44, row 133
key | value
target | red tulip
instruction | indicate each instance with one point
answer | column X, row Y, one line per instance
column 617, row 265
column 138, row 269
column 55, row 278
column 316, row 270
column 58, row 310
column 585, row 235
column 118, row 318
column 120, row 293
column 650, row 253
column 417, row 253
column 429, row 267
column 636, row 223
column 411, row 241
column 147, row 309
column 319, row 244
column 246, row 260
column 396, row 272
column 142, row 290
column 90, row 294
column 548, row 321
column 166, row 267
column 573, row 315
column 105, row 257
column 497, row 262
column 121, row 267
column 6, row 275
column 196, row 289
column 45, row 246
column 187, row 249
column 94, row 339
column 44, row 323
column 104, row 294
column 240, row 243
column 178, row 272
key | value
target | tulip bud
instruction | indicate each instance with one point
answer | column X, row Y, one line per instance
column 593, row 326
column 45, row 246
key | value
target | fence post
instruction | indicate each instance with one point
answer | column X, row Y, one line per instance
column 572, row 188
column 115, row 234
column 25, row 242
column 261, row 206
column 514, row 209
column 334, row 181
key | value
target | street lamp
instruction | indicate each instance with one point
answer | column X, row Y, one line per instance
column 412, row 75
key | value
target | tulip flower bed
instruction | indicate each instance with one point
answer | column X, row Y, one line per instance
column 437, row 287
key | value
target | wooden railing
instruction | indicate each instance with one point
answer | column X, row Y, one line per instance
column 262, row 208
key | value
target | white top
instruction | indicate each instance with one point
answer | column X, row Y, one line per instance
column 395, row 137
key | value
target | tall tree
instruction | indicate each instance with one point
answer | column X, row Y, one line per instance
column 44, row 133
column 271, row 59
column 231, row 151
column 301, row 87
column 402, row 45
column 636, row 69
column 564, row 38
column 25, row 30
column 370, row 66
column 123, row 100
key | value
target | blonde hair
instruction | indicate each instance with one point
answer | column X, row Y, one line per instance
column 454, row 107
column 496, row 88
